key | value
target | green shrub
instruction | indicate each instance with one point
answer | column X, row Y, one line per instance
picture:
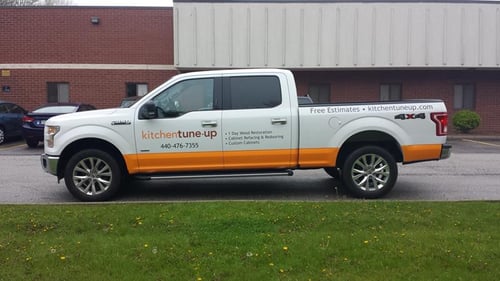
column 466, row 120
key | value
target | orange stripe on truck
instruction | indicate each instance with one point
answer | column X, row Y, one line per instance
column 260, row 159
column 256, row 159
column 241, row 159
column 173, row 162
column 421, row 152
column 204, row 161
column 318, row 157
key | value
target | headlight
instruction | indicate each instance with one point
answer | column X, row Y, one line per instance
column 51, row 132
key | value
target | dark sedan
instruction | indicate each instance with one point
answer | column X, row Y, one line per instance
column 11, row 116
column 34, row 122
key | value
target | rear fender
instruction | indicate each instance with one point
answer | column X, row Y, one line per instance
column 370, row 130
column 345, row 132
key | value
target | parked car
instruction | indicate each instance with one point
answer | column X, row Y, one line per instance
column 34, row 121
column 11, row 116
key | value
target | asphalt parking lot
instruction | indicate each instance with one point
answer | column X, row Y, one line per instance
column 485, row 144
column 471, row 173
column 19, row 147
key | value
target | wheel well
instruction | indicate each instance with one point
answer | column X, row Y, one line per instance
column 376, row 138
column 87, row 144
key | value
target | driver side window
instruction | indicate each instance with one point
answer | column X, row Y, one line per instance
column 184, row 97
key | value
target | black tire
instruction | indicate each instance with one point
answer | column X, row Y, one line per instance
column 32, row 143
column 333, row 172
column 369, row 172
column 93, row 175
column 2, row 135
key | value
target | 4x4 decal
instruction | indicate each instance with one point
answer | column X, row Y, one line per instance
column 406, row 116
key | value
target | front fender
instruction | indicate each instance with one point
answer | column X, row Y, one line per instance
column 124, row 141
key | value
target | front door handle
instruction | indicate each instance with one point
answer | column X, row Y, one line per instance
column 278, row 121
column 210, row 123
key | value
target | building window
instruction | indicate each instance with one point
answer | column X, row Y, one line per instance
column 136, row 89
column 57, row 92
column 390, row 92
column 464, row 96
column 319, row 93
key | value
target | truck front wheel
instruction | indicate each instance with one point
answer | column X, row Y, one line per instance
column 369, row 172
column 92, row 175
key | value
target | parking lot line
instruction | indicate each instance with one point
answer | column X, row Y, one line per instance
column 10, row 146
column 482, row 142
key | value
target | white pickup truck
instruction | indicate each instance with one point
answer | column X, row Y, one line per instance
column 241, row 123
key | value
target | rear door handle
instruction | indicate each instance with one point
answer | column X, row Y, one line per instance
column 278, row 121
column 210, row 123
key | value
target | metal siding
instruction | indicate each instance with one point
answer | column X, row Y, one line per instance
column 292, row 37
column 275, row 37
column 336, row 35
column 452, row 37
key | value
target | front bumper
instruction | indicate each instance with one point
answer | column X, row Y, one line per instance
column 49, row 163
column 445, row 151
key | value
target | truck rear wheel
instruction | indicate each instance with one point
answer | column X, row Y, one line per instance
column 369, row 172
column 92, row 175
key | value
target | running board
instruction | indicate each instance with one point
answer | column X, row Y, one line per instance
column 215, row 175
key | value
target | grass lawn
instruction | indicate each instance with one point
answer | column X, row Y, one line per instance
column 356, row 240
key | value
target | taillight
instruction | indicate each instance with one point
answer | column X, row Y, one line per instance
column 441, row 121
column 27, row 119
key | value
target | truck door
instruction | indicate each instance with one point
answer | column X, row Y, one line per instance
column 185, row 134
column 256, row 123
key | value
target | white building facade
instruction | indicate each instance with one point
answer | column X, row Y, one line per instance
column 324, row 35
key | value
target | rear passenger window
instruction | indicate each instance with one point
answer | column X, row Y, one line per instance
column 254, row 92
column 16, row 109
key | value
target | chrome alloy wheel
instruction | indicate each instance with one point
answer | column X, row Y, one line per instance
column 370, row 172
column 92, row 176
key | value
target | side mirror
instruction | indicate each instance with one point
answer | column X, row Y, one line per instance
column 148, row 111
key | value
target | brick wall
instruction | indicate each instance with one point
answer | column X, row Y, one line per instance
column 65, row 35
column 349, row 86
column 124, row 35
column 102, row 88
